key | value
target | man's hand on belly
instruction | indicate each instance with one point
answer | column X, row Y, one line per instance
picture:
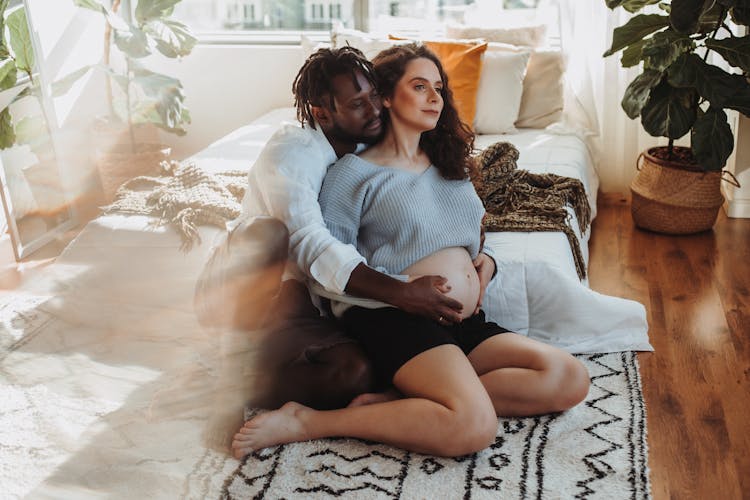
column 426, row 296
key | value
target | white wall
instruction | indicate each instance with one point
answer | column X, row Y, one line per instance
column 227, row 86
column 738, row 199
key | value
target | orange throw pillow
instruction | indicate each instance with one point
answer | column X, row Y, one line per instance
column 462, row 62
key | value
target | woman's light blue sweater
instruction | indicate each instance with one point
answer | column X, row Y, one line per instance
column 396, row 217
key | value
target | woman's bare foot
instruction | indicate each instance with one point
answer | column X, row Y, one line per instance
column 269, row 429
column 369, row 398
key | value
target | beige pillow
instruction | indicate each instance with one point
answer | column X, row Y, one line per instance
column 543, row 86
column 500, row 91
column 529, row 36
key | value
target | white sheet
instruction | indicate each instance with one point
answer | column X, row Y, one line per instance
column 121, row 269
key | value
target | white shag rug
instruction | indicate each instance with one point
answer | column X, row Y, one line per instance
column 124, row 410
column 596, row 450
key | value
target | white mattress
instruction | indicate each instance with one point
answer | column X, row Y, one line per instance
column 120, row 266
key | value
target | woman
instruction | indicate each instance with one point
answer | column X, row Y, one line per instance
column 408, row 204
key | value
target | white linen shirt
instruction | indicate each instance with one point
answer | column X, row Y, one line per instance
column 284, row 183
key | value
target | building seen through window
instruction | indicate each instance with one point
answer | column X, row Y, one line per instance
column 205, row 16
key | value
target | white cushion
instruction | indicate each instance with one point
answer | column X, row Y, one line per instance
column 310, row 46
column 500, row 91
column 369, row 43
column 529, row 36
column 543, row 86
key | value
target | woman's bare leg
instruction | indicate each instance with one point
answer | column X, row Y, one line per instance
column 525, row 377
column 446, row 411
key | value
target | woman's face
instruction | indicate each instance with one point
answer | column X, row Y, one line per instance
column 417, row 100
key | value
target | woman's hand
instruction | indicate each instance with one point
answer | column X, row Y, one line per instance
column 485, row 267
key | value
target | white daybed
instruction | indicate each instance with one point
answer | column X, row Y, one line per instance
column 111, row 387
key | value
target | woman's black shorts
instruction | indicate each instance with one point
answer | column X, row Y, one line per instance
column 391, row 337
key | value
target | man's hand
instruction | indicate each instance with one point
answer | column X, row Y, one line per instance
column 426, row 296
column 485, row 267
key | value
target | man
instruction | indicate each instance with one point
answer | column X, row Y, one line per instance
column 302, row 356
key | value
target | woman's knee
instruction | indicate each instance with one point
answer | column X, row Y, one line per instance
column 468, row 429
column 572, row 383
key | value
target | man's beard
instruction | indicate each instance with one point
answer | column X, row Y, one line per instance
column 340, row 134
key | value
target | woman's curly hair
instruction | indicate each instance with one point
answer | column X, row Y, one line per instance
column 450, row 144
column 314, row 81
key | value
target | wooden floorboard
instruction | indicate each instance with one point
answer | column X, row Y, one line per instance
column 696, row 383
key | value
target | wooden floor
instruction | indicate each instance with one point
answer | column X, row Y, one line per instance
column 696, row 384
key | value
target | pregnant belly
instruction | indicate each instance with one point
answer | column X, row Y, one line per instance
column 455, row 265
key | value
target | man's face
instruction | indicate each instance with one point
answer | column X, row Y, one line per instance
column 357, row 114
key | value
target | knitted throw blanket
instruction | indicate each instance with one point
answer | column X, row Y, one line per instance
column 518, row 200
column 184, row 196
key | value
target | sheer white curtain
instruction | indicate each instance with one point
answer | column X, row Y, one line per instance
column 595, row 88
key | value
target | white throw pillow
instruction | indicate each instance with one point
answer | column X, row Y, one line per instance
column 369, row 43
column 529, row 36
column 310, row 46
column 543, row 86
column 500, row 91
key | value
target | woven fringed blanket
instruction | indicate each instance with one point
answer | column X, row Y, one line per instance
column 518, row 200
column 184, row 196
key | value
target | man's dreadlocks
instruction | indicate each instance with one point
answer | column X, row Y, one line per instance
column 314, row 82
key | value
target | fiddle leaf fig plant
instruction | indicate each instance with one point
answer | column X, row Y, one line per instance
column 678, row 90
column 16, row 59
column 146, row 96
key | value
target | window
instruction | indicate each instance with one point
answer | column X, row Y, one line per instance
column 209, row 18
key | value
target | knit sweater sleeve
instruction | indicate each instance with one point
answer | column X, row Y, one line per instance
column 342, row 197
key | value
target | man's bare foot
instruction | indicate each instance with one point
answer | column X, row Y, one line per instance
column 369, row 398
column 269, row 429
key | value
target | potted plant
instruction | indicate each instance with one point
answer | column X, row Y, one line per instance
column 677, row 189
column 137, row 96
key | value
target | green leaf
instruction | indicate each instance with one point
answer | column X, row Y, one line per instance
column 133, row 42
column 635, row 30
column 669, row 112
column 685, row 15
column 734, row 50
column 32, row 130
column 741, row 15
column 613, row 3
column 3, row 7
column 7, row 134
column 147, row 10
column 64, row 84
column 711, row 18
column 638, row 92
column 711, row 139
column 172, row 38
column 8, row 74
column 632, row 55
column 740, row 101
column 661, row 50
column 712, row 83
column 117, row 22
column 163, row 100
column 633, row 6
column 20, row 40
column 92, row 5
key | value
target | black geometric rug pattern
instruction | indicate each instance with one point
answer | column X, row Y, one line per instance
column 596, row 450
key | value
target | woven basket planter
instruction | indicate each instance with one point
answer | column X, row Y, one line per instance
column 120, row 164
column 668, row 198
